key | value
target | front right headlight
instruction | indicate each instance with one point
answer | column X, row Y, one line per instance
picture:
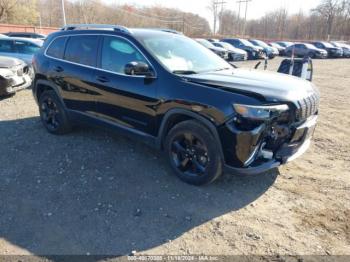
column 259, row 112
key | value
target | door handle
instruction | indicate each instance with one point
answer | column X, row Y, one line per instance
column 102, row 79
column 58, row 69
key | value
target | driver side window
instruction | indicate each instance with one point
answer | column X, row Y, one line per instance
column 117, row 52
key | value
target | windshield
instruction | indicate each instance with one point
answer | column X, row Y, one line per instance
column 226, row 45
column 327, row 44
column 285, row 44
column 246, row 42
column 260, row 43
column 178, row 53
column 310, row 46
column 205, row 43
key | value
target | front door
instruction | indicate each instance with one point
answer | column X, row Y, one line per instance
column 126, row 100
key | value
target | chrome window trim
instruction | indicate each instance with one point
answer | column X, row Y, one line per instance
column 97, row 68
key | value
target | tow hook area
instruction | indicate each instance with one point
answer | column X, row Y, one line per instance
column 247, row 143
column 259, row 143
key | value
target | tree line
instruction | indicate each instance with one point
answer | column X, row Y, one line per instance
column 329, row 20
column 49, row 13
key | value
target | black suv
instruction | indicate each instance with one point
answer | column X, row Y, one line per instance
column 333, row 51
column 176, row 95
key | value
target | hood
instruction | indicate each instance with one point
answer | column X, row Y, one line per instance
column 321, row 50
column 272, row 86
column 8, row 62
column 218, row 49
column 259, row 48
column 238, row 51
column 335, row 49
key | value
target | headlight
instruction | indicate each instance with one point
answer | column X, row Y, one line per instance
column 259, row 112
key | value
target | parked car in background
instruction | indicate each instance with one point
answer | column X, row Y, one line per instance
column 284, row 43
column 21, row 48
column 345, row 47
column 304, row 49
column 15, row 75
column 270, row 52
column 278, row 47
column 178, row 96
column 254, row 52
column 26, row 35
column 212, row 40
column 333, row 51
column 222, row 52
column 234, row 54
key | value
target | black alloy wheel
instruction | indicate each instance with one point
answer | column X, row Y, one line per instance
column 193, row 153
column 52, row 113
column 189, row 154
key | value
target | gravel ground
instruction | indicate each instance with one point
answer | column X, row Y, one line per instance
column 93, row 192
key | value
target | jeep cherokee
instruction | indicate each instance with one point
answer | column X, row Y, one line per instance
column 176, row 95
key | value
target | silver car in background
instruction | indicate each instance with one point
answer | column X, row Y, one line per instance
column 234, row 54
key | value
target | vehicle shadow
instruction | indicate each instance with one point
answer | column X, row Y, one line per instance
column 92, row 192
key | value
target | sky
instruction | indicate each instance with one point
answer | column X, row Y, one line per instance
column 256, row 8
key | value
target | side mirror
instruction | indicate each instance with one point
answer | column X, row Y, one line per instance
column 137, row 69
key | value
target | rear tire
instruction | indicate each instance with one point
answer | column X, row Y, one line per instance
column 193, row 153
column 53, row 114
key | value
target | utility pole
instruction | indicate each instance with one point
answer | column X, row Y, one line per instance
column 183, row 23
column 245, row 15
column 216, row 8
column 63, row 13
column 239, row 17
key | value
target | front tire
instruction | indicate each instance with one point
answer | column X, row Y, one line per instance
column 53, row 114
column 193, row 153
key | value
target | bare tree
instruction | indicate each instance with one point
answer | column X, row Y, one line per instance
column 6, row 7
column 328, row 9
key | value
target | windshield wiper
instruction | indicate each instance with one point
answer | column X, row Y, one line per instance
column 221, row 69
column 184, row 72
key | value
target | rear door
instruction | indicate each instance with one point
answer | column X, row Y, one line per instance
column 73, row 70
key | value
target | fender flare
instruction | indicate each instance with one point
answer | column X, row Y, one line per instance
column 48, row 84
column 179, row 111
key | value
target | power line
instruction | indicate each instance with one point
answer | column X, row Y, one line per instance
column 150, row 17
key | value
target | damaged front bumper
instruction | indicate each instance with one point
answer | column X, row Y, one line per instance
column 15, row 83
column 254, row 158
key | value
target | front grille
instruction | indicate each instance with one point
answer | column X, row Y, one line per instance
column 307, row 107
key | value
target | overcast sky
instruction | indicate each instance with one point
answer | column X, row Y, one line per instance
column 256, row 8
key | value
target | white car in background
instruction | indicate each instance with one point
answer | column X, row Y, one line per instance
column 15, row 75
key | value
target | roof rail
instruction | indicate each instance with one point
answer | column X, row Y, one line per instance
column 118, row 28
column 167, row 30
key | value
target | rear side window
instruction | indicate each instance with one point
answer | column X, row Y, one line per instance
column 82, row 50
column 56, row 48
column 6, row 46
column 21, row 35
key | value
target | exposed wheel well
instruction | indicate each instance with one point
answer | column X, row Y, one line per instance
column 41, row 88
column 171, row 122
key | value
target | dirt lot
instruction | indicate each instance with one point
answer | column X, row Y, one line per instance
column 92, row 192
